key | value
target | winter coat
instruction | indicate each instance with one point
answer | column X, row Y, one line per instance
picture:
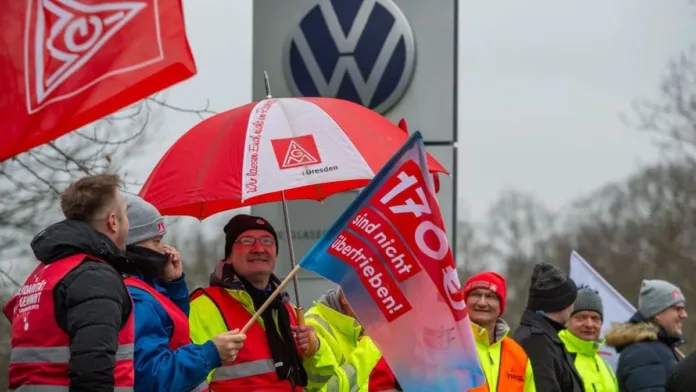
column 596, row 373
column 554, row 369
column 647, row 355
column 91, row 302
column 683, row 378
column 157, row 367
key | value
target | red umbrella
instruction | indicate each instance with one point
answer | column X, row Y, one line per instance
column 275, row 149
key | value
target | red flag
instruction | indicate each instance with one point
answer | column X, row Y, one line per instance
column 67, row 63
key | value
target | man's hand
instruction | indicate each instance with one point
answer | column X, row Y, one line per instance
column 228, row 345
column 174, row 268
column 307, row 339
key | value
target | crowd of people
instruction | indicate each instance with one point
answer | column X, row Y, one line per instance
column 108, row 309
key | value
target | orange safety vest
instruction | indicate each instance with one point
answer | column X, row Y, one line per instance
column 382, row 378
column 512, row 368
column 181, row 335
column 40, row 348
column 254, row 369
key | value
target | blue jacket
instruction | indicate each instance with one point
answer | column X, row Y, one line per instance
column 157, row 368
column 646, row 355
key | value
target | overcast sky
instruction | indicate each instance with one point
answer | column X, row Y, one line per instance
column 541, row 86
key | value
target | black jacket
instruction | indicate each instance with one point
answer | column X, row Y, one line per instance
column 91, row 302
column 683, row 378
column 646, row 355
column 553, row 366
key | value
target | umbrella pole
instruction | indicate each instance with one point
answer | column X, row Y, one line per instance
column 291, row 250
column 300, row 311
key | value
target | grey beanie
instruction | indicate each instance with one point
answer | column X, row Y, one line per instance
column 656, row 296
column 144, row 221
column 588, row 299
column 551, row 290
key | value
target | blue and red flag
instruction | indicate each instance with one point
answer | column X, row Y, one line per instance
column 390, row 254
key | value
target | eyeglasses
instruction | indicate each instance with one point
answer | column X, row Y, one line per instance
column 488, row 296
column 250, row 241
column 679, row 308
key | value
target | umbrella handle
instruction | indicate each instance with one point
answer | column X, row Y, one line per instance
column 300, row 316
column 313, row 340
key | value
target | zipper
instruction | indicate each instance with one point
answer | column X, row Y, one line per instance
column 599, row 373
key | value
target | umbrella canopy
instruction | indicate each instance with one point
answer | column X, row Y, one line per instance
column 299, row 148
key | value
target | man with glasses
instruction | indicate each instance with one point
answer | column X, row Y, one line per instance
column 275, row 346
column 647, row 341
column 504, row 361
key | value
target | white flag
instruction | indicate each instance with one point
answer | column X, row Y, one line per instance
column 616, row 308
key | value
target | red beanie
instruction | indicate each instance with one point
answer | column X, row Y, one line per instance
column 491, row 281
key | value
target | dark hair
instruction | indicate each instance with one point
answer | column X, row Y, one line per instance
column 586, row 287
column 89, row 196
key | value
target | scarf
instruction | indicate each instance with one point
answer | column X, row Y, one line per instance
column 280, row 340
column 147, row 262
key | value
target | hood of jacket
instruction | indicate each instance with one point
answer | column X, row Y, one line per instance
column 69, row 237
column 638, row 329
column 330, row 307
column 481, row 335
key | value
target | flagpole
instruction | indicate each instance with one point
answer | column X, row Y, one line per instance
column 270, row 299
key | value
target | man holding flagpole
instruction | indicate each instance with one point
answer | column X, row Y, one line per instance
column 275, row 345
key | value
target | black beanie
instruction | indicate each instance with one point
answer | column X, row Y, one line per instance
column 551, row 290
column 241, row 223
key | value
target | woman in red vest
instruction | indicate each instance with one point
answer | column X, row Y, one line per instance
column 165, row 358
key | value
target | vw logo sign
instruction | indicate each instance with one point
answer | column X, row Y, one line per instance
column 358, row 50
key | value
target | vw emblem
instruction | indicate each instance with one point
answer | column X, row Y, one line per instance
column 358, row 50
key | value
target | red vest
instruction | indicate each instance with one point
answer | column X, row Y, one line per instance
column 40, row 348
column 382, row 379
column 254, row 369
column 180, row 333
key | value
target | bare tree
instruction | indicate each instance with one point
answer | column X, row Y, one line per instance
column 510, row 240
column 201, row 245
column 637, row 228
column 31, row 183
column 199, row 253
column 671, row 118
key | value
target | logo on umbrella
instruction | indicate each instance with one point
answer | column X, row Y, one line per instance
column 296, row 151
column 65, row 35
column 358, row 50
